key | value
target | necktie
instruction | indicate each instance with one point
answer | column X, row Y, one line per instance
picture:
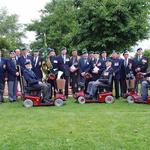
column 14, row 61
column 125, row 62
column 35, row 61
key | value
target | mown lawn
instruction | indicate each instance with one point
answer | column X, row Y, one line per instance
column 117, row 126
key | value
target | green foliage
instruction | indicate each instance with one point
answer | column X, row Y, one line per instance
column 147, row 54
column 10, row 30
column 117, row 126
column 94, row 24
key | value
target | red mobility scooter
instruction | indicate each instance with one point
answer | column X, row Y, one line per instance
column 134, row 97
column 34, row 98
column 104, row 95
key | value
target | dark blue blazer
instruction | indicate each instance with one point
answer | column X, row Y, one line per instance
column 2, row 69
column 142, row 63
column 84, row 67
column 116, row 65
column 124, row 68
column 64, row 67
column 11, row 70
column 31, row 78
column 37, row 67
column 22, row 60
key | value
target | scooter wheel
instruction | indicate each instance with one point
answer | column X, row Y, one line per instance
column 130, row 99
column 81, row 100
column 109, row 99
column 58, row 102
column 28, row 103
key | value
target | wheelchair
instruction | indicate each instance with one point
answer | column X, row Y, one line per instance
column 33, row 97
column 104, row 94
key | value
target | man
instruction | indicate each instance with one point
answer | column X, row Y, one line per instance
column 12, row 74
column 74, row 71
column 24, row 58
column 84, row 67
column 124, row 66
column 36, row 64
column 53, row 71
column 34, row 82
column 94, row 69
column 2, row 76
column 104, row 80
column 144, row 87
column 141, row 65
column 17, row 51
column 116, row 65
column 63, row 65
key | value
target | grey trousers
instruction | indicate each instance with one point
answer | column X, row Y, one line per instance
column 92, row 87
column 46, row 90
column 144, row 90
column 12, row 90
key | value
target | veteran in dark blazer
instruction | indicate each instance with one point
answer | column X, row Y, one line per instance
column 23, row 58
column 85, row 67
column 104, row 80
column 116, row 65
column 74, row 71
column 12, row 74
column 34, row 82
column 63, row 65
column 37, row 64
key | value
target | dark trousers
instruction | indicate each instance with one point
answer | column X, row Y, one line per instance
column 123, row 86
column 66, row 85
column 2, row 86
column 116, row 84
column 74, row 79
column 53, row 87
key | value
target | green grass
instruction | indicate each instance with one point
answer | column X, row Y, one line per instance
column 117, row 126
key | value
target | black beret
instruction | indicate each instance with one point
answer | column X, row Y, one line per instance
column 27, row 62
column 12, row 52
column 63, row 48
column 24, row 48
column 91, row 52
column 139, row 49
column 125, row 52
column 103, row 52
column 51, row 50
column 84, row 51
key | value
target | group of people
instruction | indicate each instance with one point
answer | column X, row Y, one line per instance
column 93, row 69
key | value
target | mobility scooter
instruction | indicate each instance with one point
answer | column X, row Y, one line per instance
column 134, row 97
column 32, row 97
column 103, row 95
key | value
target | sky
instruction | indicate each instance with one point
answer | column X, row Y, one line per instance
column 29, row 10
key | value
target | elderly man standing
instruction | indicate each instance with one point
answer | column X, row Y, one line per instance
column 12, row 74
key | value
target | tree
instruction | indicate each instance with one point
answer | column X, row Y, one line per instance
column 57, row 25
column 10, row 30
column 94, row 24
column 112, row 24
